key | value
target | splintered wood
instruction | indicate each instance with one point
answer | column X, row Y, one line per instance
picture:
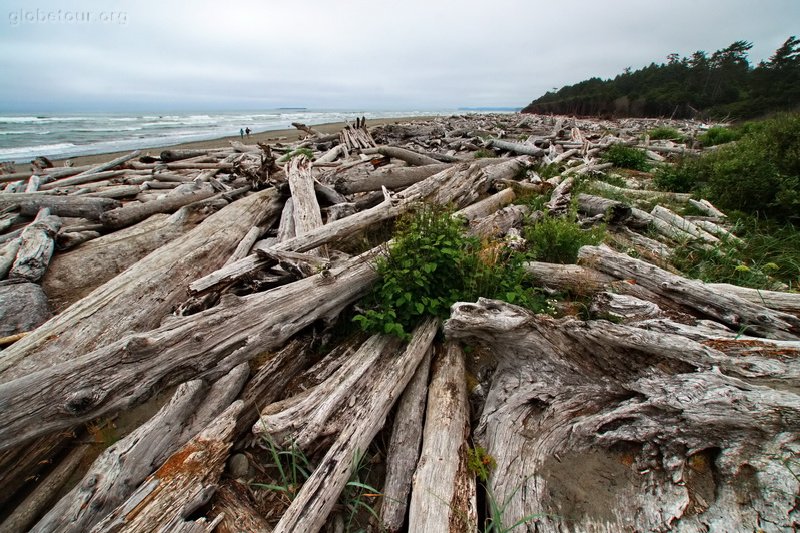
column 198, row 302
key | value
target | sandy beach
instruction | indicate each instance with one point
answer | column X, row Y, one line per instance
column 272, row 136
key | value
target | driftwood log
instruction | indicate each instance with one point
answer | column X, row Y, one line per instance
column 672, row 421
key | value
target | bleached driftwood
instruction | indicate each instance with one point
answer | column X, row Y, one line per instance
column 727, row 308
column 403, row 449
column 674, row 422
column 443, row 488
column 37, row 243
column 374, row 399
column 306, row 213
column 183, row 484
column 66, row 206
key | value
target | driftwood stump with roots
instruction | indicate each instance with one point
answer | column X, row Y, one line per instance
column 598, row 426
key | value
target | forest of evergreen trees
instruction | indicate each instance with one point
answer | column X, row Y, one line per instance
column 722, row 85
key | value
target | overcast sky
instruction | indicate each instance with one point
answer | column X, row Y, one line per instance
column 78, row 55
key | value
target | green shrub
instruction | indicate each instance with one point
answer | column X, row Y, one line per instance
column 557, row 240
column 432, row 264
column 665, row 133
column 718, row 135
column 627, row 157
column 769, row 256
column 684, row 176
column 761, row 173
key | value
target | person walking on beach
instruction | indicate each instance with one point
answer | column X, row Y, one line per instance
column 241, row 133
column 247, row 131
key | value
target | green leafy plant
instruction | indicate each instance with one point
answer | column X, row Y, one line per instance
column 300, row 151
column 761, row 172
column 432, row 264
column 666, row 133
column 627, row 157
column 718, row 135
column 558, row 239
column 495, row 521
column 480, row 462
column 684, row 176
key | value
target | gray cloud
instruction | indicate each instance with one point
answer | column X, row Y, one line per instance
column 368, row 54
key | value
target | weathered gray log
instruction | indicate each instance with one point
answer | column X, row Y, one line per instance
column 110, row 164
column 684, row 225
column 499, row 223
column 33, row 183
column 718, row 231
column 460, row 185
column 788, row 302
column 133, row 213
column 307, row 215
column 623, row 308
column 374, row 399
column 74, row 274
column 613, row 211
column 707, row 207
column 138, row 298
column 560, row 198
column 205, row 345
column 231, row 501
column 70, row 239
column 488, row 205
column 727, row 308
column 443, row 492
column 270, row 381
column 641, row 218
column 641, row 193
column 40, row 499
column 118, row 191
column 286, row 225
column 7, row 255
column 328, row 194
column 360, row 179
column 675, row 423
column 404, row 447
column 412, row 158
column 67, row 206
column 168, row 156
column 247, row 242
column 37, row 243
column 183, row 485
column 122, row 467
column 653, row 250
column 517, row 148
column 23, row 307
column 307, row 129
column 339, row 211
column 81, row 179
column 574, row 278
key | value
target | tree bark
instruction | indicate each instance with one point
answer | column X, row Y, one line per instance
column 36, row 248
column 232, row 502
column 374, row 399
column 64, row 206
column 138, row 298
column 613, row 211
column 676, row 424
column 729, row 309
column 122, row 467
column 307, row 215
column 205, row 345
column 183, row 484
column 443, row 493
column 74, row 274
column 133, row 213
column 404, row 447
column 23, row 307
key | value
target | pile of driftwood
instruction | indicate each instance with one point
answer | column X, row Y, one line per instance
column 185, row 298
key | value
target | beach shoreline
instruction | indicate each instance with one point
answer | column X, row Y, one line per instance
column 268, row 136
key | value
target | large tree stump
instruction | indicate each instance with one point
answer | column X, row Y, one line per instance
column 693, row 438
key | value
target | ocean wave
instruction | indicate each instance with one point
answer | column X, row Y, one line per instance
column 41, row 149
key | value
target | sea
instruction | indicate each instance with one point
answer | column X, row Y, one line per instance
column 63, row 135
